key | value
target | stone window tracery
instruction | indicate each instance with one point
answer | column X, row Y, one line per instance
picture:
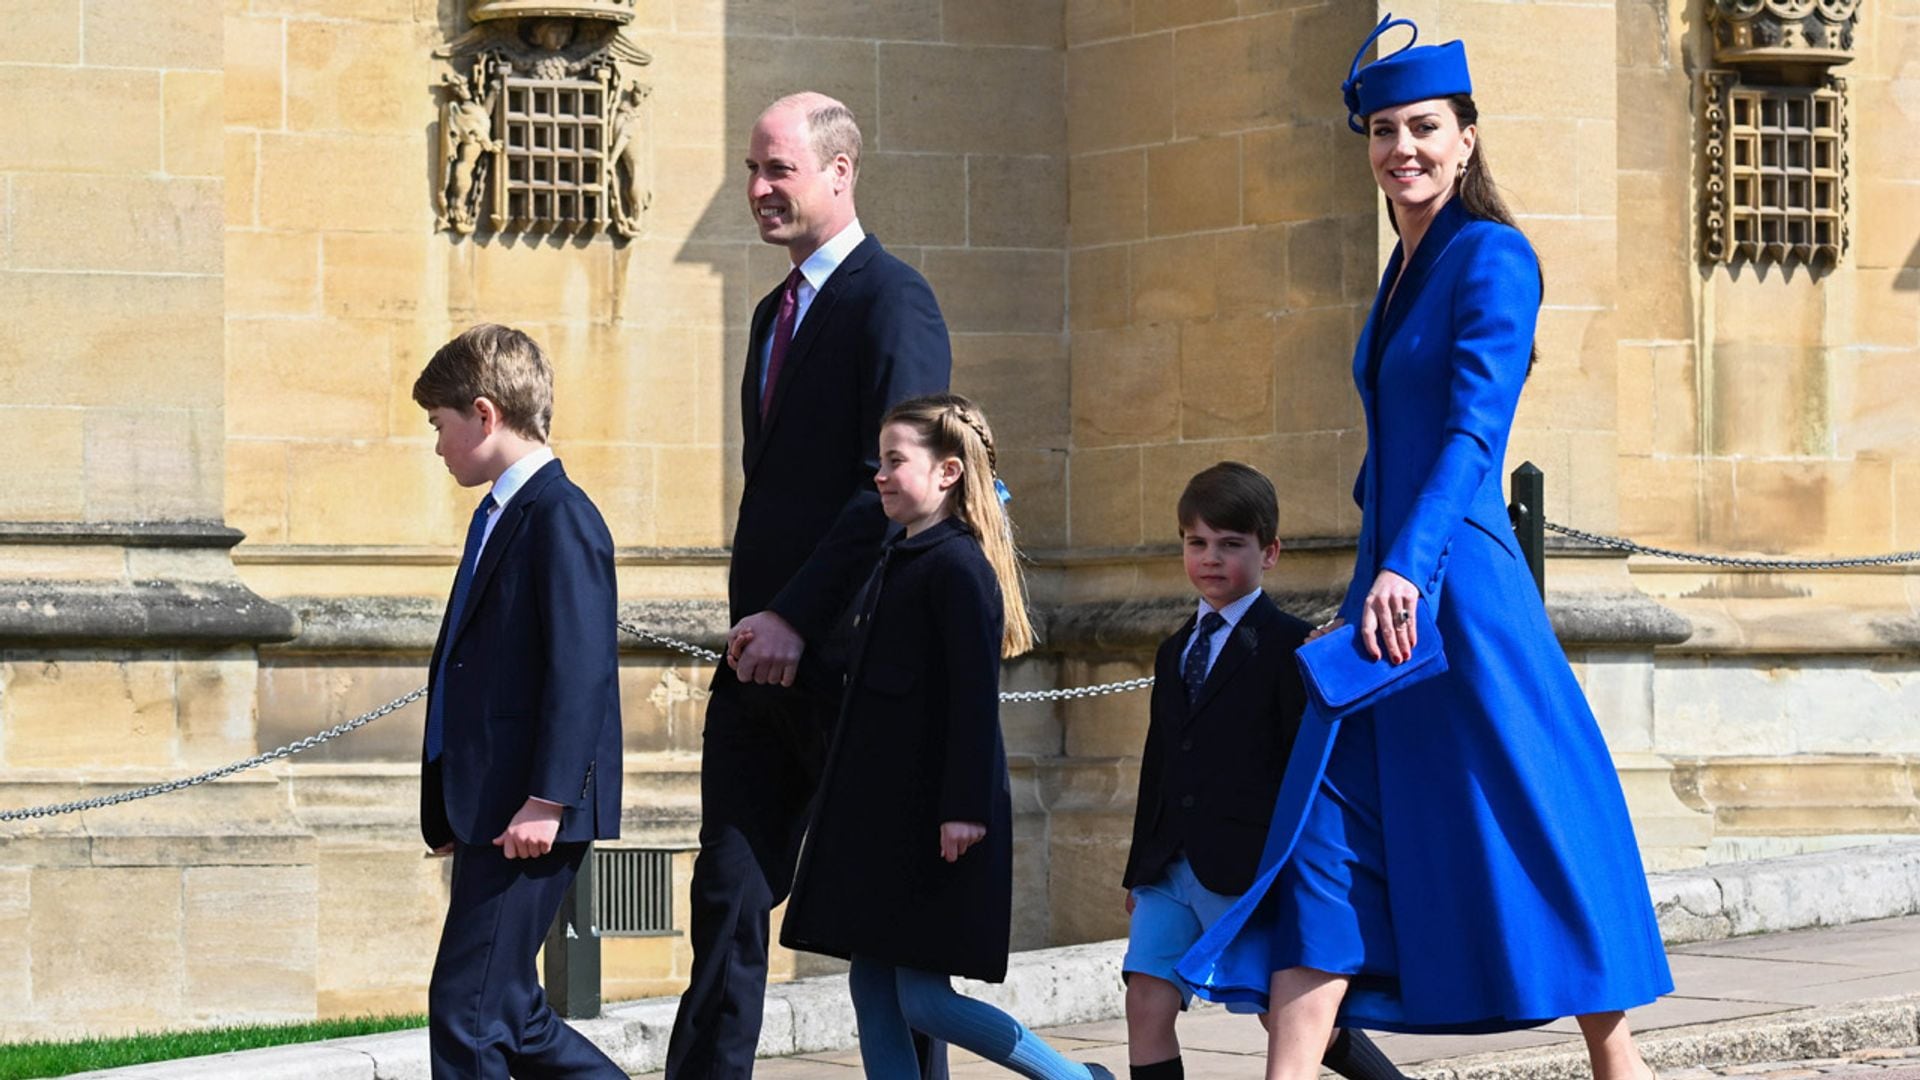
column 1775, row 152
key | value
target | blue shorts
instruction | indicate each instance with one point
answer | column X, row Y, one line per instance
column 1169, row 915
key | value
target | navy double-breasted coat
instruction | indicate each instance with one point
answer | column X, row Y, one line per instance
column 918, row 744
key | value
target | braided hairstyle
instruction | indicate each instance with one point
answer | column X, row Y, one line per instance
column 950, row 426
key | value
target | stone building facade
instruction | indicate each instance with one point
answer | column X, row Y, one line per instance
column 1154, row 240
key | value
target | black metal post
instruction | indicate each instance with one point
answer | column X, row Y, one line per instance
column 1528, row 487
column 572, row 952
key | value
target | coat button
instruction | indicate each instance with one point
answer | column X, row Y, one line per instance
column 1186, row 802
column 1186, row 744
column 459, row 665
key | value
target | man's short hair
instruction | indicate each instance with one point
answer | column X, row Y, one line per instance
column 1233, row 498
column 831, row 127
column 494, row 362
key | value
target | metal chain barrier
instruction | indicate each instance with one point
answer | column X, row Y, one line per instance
column 670, row 643
column 253, row 762
column 1012, row 697
column 1617, row 543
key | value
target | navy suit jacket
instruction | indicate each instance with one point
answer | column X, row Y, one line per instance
column 1211, row 769
column 531, row 684
column 810, row 522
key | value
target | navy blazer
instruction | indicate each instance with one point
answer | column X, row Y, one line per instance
column 532, row 676
column 1211, row 770
column 810, row 522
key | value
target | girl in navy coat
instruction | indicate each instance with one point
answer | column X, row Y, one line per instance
column 907, row 868
column 1468, row 864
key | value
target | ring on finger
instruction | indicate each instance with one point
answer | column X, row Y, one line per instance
column 1400, row 618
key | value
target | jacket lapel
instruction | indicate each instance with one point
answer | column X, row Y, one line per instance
column 1240, row 647
column 500, row 540
column 801, row 348
column 1433, row 246
column 750, row 382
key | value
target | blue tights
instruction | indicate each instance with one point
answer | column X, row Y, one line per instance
column 890, row 1003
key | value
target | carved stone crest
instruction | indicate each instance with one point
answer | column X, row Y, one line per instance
column 1783, row 33
column 541, row 127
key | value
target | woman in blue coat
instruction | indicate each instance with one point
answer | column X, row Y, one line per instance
column 1467, row 864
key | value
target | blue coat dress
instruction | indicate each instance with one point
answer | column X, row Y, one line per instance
column 1469, row 858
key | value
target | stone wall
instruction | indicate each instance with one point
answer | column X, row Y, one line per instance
column 342, row 289
column 1154, row 240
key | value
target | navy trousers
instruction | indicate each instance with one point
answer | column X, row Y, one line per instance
column 487, row 1016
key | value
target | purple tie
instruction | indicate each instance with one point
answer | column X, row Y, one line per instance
column 782, row 337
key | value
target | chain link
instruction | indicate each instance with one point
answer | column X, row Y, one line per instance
column 671, row 643
column 1617, row 543
column 253, row 762
column 1012, row 697
column 1075, row 693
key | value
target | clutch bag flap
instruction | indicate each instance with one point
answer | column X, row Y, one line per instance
column 1341, row 678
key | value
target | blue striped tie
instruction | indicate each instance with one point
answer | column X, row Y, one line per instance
column 462, row 580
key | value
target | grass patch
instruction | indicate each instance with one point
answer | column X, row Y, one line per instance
column 26, row 1060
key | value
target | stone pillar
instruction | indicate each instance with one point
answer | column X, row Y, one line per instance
column 126, row 641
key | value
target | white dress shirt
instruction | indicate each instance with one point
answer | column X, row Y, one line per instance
column 814, row 273
column 1233, row 613
column 505, row 488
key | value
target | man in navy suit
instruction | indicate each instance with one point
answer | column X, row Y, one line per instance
column 850, row 333
column 521, row 770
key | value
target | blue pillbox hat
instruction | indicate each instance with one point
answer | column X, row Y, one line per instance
column 1410, row 74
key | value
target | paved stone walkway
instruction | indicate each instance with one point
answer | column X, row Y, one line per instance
column 1882, row 1063
column 1714, row 981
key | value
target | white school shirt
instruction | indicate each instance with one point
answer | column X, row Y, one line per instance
column 505, row 488
column 1233, row 613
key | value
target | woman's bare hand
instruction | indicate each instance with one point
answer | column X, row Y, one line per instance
column 1386, row 619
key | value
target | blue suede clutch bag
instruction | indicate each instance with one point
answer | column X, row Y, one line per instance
column 1342, row 679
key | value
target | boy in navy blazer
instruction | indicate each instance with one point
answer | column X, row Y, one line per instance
column 1227, row 700
column 521, row 767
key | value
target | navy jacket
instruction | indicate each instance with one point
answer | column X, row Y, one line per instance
column 1210, row 771
column 532, row 677
column 810, row 523
column 918, row 744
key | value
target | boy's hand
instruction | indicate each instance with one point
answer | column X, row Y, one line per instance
column 530, row 834
column 1326, row 628
column 957, row 836
column 1129, row 901
column 769, row 649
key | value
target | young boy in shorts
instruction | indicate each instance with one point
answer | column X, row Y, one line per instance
column 1227, row 700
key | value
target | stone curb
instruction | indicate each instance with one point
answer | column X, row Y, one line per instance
column 1081, row 984
column 1794, row 892
column 1827, row 1031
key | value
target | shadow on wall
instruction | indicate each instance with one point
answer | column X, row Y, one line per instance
column 1908, row 279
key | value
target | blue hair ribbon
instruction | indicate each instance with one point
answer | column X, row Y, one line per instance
column 1000, row 489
